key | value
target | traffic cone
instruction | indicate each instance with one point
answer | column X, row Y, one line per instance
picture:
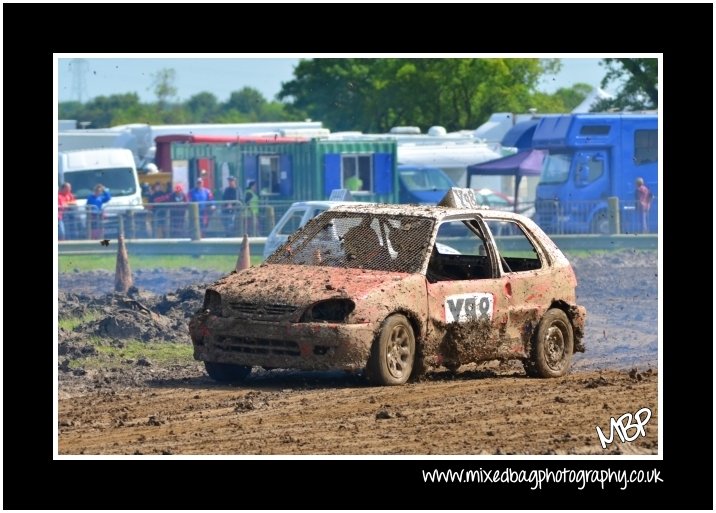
column 122, row 273
column 244, row 260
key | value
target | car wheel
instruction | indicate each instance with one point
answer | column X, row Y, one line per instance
column 552, row 346
column 226, row 372
column 393, row 353
column 600, row 223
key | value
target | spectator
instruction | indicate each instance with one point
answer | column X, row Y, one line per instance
column 95, row 213
column 69, row 214
column 177, row 212
column 228, row 209
column 251, row 199
column 203, row 197
column 60, row 211
column 643, row 197
column 159, row 214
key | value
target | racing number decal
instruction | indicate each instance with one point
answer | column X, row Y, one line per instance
column 476, row 306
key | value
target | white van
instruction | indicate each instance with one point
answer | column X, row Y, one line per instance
column 112, row 167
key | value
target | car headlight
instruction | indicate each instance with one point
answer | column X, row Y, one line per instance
column 212, row 301
column 330, row 310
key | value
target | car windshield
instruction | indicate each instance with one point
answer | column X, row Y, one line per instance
column 555, row 168
column 425, row 179
column 359, row 240
column 119, row 180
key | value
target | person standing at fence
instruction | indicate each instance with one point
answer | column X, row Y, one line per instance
column 228, row 209
column 159, row 214
column 95, row 213
column 60, row 213
column 251, row 199
column 68, row 215
column 203, row 197
column 177, row 212
column 643, row 198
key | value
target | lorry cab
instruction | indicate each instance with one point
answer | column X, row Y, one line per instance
column 592, row 157
column 422, row 184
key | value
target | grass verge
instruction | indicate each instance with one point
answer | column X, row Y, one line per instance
column 128, row 352
column 70, row 323
column 223, row 263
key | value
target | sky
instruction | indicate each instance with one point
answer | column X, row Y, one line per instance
column 98, row 76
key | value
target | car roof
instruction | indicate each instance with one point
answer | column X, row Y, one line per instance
column 327, row 204
column 427, row 211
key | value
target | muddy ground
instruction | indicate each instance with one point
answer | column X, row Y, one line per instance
column 140, row 406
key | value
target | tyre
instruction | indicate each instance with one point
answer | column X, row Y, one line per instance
column 600, row 223
column 226, row 372
column 552, row 346
column 393, row 353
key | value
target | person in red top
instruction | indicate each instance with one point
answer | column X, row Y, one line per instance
column 177, row 212
column 69, row 218
column 61, row 202
column 643, row 198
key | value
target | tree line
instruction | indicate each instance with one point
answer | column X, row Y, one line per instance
column 374, row 94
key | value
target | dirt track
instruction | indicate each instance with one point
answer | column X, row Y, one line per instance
column 152, row 409
column 472, row 413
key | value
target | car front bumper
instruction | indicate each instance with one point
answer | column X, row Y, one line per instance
column 305, row 345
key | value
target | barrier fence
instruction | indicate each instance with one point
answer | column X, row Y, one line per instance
column 221, row 219
column 173, row 220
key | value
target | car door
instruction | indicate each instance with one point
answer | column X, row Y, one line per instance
column 528, row 281
column 467, row 303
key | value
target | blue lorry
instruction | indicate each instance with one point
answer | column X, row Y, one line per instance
column 591, row 158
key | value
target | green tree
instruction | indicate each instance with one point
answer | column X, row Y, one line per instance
column 639, row 84
column 102, row 111
column 202, row 107
column 163, row 85
column 374, row 94
column 70, row 110
column 247, row 101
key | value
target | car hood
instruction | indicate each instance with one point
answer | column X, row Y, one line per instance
column 301, row 285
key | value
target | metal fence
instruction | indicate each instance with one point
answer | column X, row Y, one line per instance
column 219, row 219
column 173, row 220
column 596, row 217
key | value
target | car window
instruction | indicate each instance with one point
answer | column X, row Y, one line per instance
column 517, row 253
column 472, row 261
column 362, row 240
column 293, row 222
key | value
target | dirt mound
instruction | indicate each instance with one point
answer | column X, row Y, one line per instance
column 158, row 281
column 137, row 316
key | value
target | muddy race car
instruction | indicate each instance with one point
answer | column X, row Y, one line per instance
column 395, row 290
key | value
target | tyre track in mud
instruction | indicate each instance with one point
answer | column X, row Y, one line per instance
column 474, row 412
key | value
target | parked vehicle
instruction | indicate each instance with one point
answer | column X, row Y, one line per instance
column 296, row 216
column 112, row 167
column 499, row 201
column 592, row 157
column 367, row 286
column 422, row 184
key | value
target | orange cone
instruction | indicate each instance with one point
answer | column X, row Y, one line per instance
column 244, row 260
column 123, row 273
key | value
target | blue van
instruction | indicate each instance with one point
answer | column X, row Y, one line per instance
column 422, row 184
column 593, row 157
